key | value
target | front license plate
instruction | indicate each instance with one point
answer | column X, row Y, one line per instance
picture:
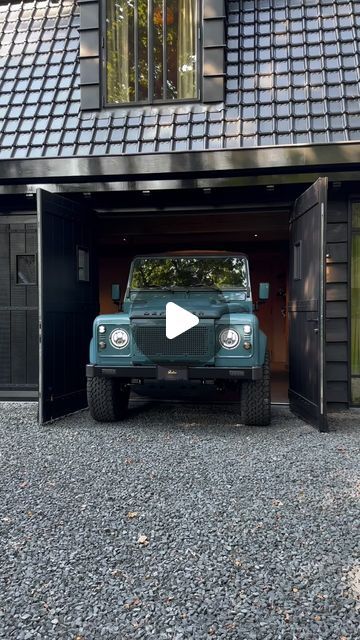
column 172, row 373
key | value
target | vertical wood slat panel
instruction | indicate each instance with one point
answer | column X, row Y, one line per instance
column 17, row 247
column 4, row 265
column 18, row 309
column 18, row 347
column 5, row 351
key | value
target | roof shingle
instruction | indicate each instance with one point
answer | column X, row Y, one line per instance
column 292, row 77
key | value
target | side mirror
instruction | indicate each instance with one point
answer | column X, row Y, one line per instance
column 264, row 290
column 115, row 293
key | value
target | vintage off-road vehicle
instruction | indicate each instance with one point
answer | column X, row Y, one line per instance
column 226, row 347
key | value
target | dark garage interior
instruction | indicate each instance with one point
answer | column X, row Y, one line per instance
column 214, row 223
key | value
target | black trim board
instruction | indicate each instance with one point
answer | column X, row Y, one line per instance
column 19, row 396
column 188, row 164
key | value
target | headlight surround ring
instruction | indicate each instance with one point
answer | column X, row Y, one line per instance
column 229, row 338
column 119, row 338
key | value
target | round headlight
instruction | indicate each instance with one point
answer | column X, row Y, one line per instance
column 247, row 329
column 119, row 338
column 229, row 338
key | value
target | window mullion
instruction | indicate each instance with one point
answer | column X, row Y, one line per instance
column 150, row 51
column 136, row 50
column 164, row 51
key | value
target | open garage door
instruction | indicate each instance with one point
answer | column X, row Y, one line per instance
column 307, row 305
column 68, row 302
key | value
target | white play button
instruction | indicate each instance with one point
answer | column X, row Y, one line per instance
column 178, row 320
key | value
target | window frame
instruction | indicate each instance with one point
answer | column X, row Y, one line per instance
column 26, row 284
column 211, row 59
column 149, row 101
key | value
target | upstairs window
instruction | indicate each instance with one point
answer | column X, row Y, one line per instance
column 152, row 51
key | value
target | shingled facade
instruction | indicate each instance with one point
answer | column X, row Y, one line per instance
column 279, row 107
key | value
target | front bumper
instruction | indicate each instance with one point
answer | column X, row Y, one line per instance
column 153, row 372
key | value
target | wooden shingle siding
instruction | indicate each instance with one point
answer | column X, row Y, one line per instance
column 336, row 292
column 337, row 330
column 90, row 54
column 214, row 42
column 336, row 309
column 337, row 391
column 336, row 352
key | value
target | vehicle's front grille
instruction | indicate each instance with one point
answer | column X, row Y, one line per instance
column 153, row 343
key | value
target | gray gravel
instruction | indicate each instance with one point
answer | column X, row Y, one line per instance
column 178, row 524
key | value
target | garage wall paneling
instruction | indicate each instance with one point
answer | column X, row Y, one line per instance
column 18, row 306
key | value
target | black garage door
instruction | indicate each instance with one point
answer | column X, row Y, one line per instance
column 69, row 302
column 307, row 317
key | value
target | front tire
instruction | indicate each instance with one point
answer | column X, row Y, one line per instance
column 108, row 399
column 256, row 399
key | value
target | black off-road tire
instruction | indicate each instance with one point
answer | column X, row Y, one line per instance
column 256, row 399
column 108, row 399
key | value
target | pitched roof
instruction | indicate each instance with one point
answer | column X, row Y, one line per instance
column 292, row 77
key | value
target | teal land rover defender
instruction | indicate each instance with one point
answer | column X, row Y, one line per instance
column 226, row 347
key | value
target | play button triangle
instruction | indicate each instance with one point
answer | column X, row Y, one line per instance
column 178, row 320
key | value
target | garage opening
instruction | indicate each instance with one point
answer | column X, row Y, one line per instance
column 261, row 233
column 78, row 242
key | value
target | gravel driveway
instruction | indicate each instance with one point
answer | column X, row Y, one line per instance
column 178, row 524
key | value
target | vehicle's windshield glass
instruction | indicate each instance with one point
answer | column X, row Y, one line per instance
column 189, row 272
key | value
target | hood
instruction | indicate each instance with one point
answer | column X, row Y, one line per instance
column 211, row 305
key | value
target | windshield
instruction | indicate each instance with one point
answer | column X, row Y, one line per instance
column 189, row 272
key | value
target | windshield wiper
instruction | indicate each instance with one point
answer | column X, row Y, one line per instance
column 161, row 288
column 204, row 286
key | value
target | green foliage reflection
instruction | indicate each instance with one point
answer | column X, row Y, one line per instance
column 189, row 273
column 169, row 68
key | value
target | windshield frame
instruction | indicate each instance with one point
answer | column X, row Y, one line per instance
column 196, row 288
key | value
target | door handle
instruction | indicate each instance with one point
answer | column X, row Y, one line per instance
column 316, row 329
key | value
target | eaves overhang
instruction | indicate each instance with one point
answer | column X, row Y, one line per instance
column 183, row 165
